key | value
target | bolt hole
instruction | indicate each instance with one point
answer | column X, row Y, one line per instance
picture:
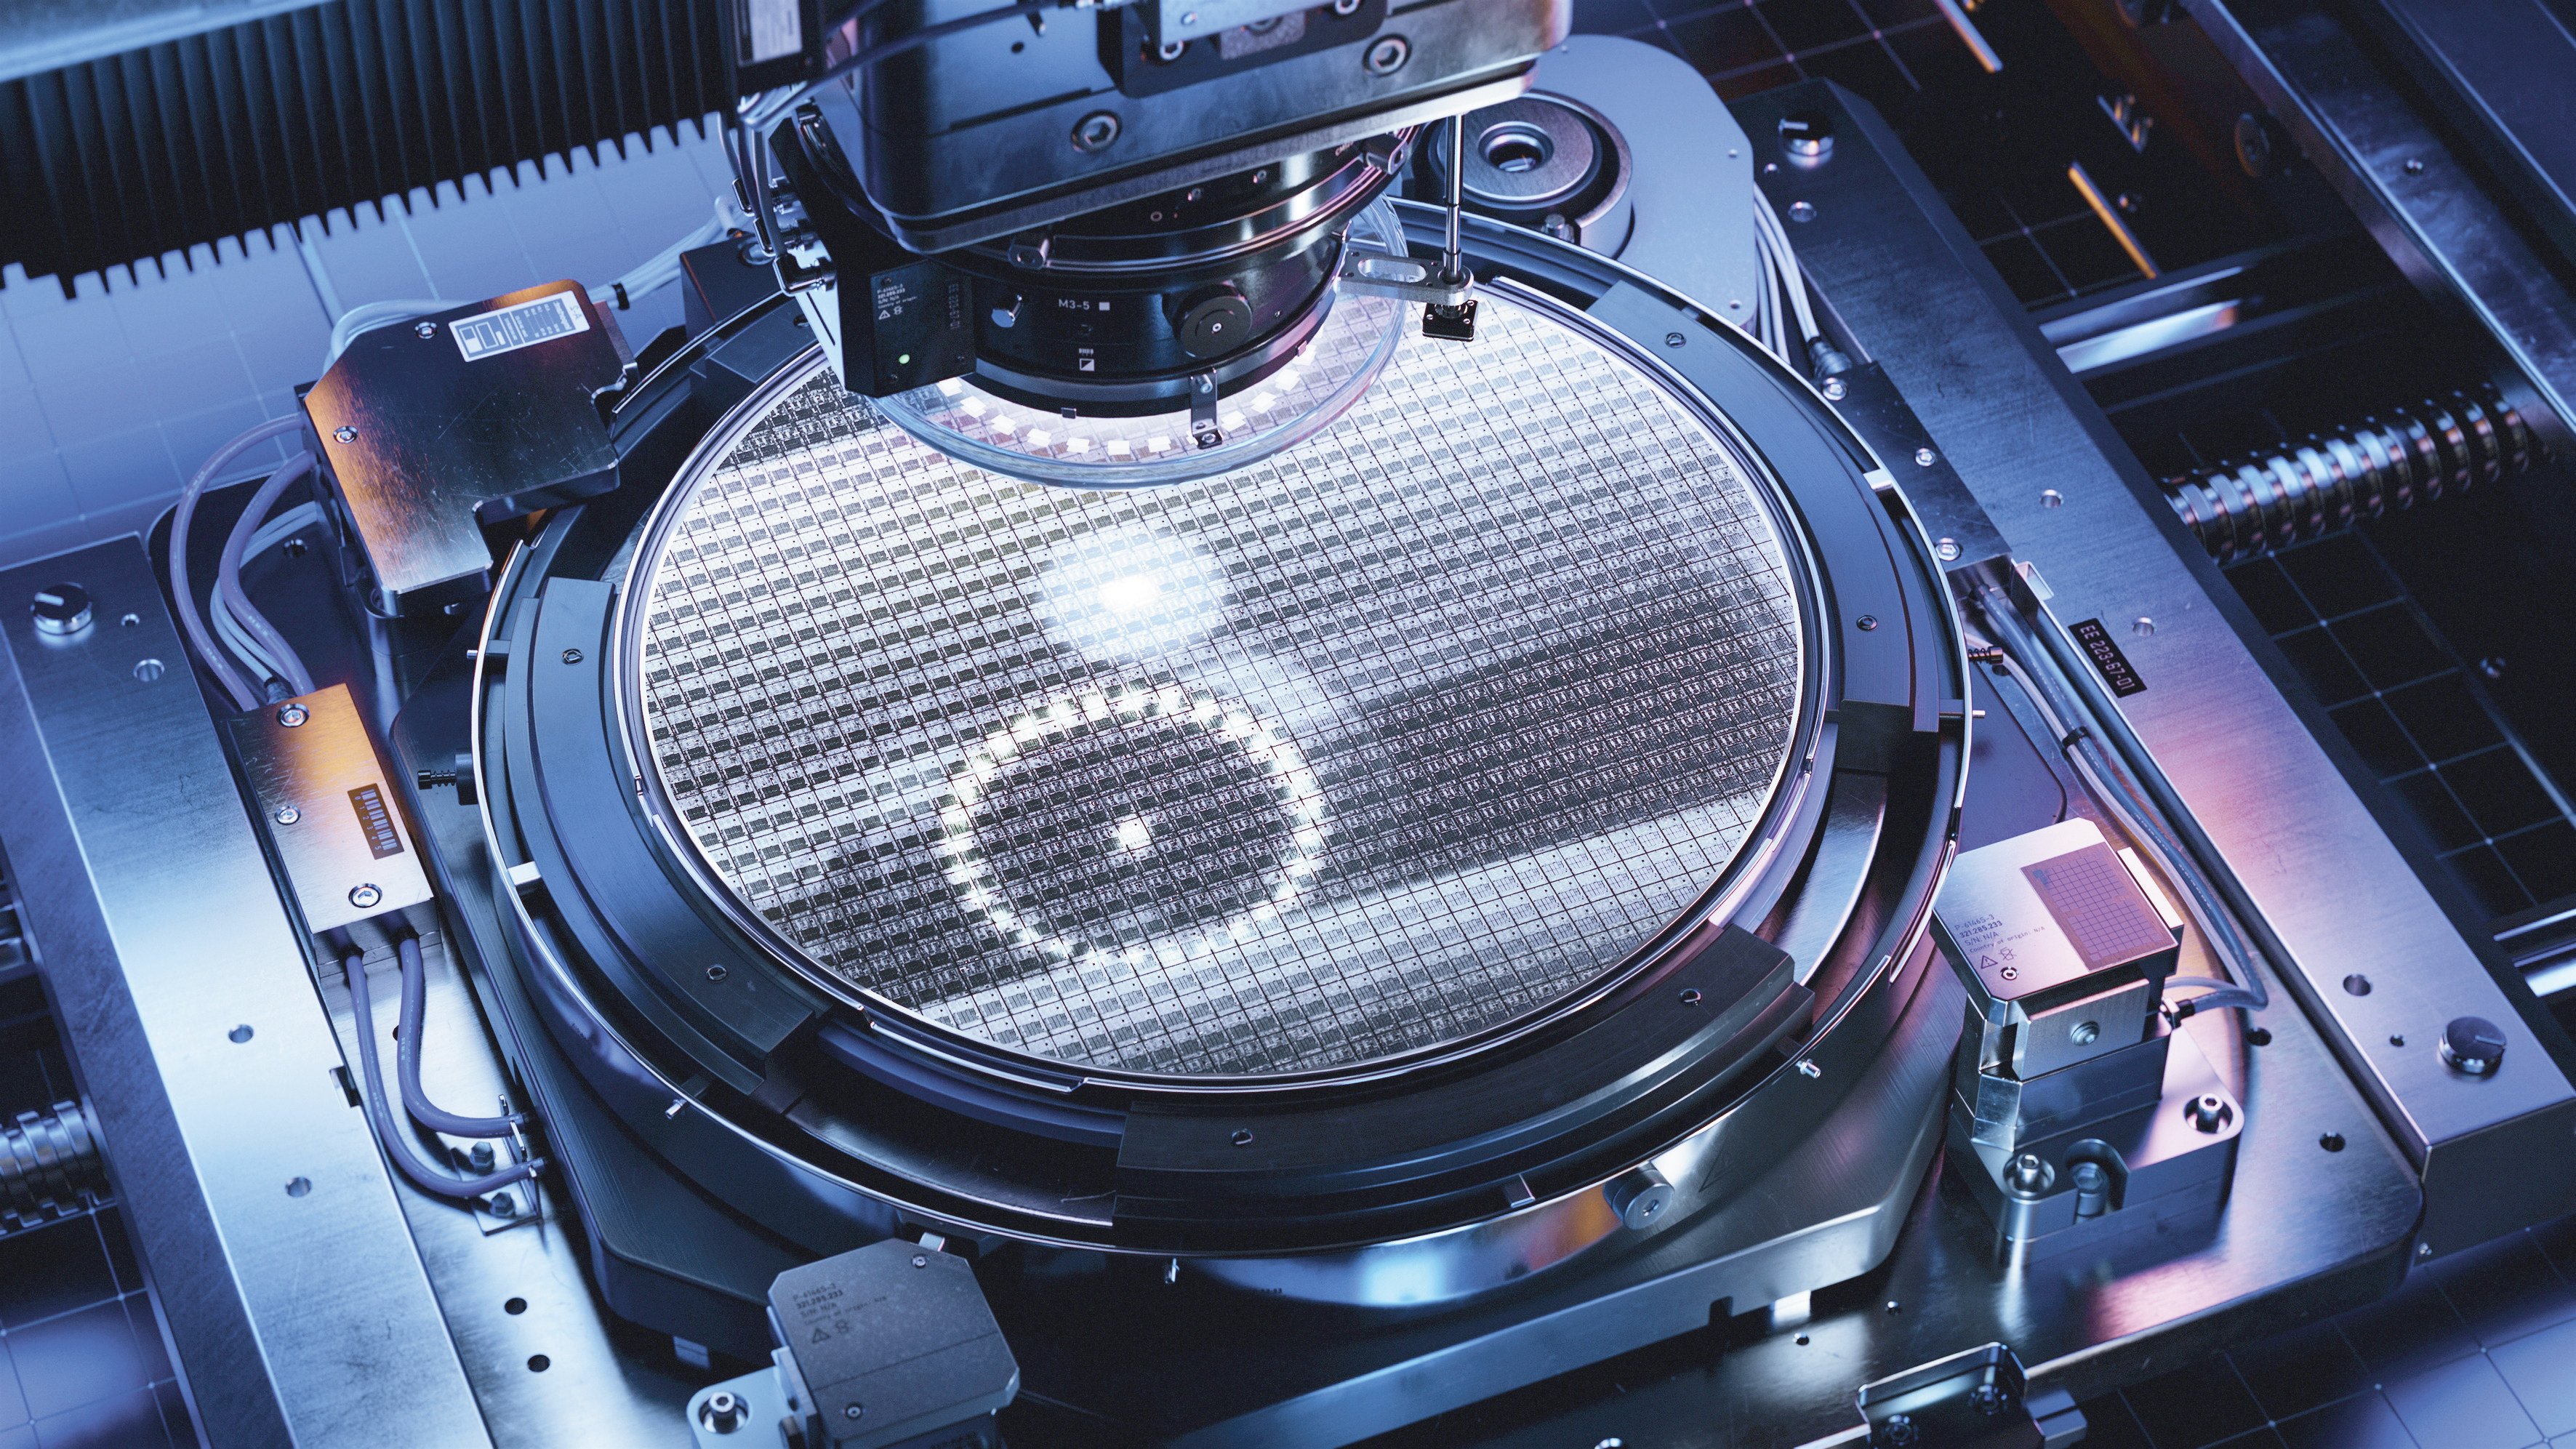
column 239, row 1034
column 538, row 1363
column 2258, row 1036
column 1691, row 997
column 1514, row 150
column 2357, row 984
column 1018, row 45
column 1242, row 1137
column 129, row 621
column 298, row 1186
column 295, row 547
column 515, row 1306
column 147, row 670
column 2397, row 1038
column 2331, row 1142
column 1802, row 1340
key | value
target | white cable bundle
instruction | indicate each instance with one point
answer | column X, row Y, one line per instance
column 1781, row 300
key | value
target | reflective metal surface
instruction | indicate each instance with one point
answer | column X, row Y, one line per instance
column 2424, row 205
column 2309, row 857
column 295, row 1298
column 1224, row 777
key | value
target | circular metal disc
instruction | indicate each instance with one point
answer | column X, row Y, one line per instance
column 1371, row 746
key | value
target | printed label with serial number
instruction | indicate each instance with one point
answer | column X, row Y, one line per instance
column 2108, row 661
column 523, row 324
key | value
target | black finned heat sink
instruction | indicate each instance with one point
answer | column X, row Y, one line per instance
column 126, row 160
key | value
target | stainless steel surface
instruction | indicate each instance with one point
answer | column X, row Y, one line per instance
column 1219, row 777
column 329, row 809
column 2369, row 469
column 2427, row 207
column 157, row 925
column 519, row 1294
column 2279, row 816
column 1691, row 168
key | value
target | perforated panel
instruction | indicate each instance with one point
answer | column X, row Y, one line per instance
column 1367, row 747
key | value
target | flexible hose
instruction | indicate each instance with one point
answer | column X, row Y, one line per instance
column 2129, row 807
column 415, row 1010
column 228, row 584
column 398, row 1144
column 182, row 592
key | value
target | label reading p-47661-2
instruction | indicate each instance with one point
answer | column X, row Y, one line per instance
column 521, row 324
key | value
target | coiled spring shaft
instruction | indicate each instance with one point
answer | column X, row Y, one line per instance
column 2376, row 467
column 49, row 1167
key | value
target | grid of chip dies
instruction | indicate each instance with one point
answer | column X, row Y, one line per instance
column 1365, row 748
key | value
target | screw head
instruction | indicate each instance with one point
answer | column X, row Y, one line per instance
column 365, row 896
column 1387, row 56
column 1925, row 457
column 2209, row 1112
column 1171, row 51
column 2027, row 1174
column 2142, row 626
column 286, row 815
column 1095, row 132
column 344, row 433
column 1946, row 549
column 2051, row 498
column 293, row 715
column 2414, row 167
column 572, row 656
column 1242, row 1137
column 921, row 1260
column 1674, row 339
column 425, row 330
column 2086, row 1033
column 1802, row 211
column 716, row 973
column 1834, row 390
column 147, row 670
column 2473, row 1046
column 1867, row 622
column 2492, row 666
column 1691, row 997
column 854, row 1411
column 61, row 609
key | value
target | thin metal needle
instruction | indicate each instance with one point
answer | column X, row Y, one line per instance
column 1451, row 263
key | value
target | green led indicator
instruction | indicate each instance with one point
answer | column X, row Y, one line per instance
column 903, row 359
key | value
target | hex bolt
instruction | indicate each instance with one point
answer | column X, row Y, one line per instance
column 1946, row 549
column 1834, row 389
column 293, row 715
column 723, row 1412
column 2473, row 1046
column 365, row 897
column 344, row 433
column 504, row 1205
column 481, row 1156
column 1096, row 132
column 61, row 609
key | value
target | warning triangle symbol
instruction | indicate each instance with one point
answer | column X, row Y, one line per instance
column 821, row 1334
column 1985, row 963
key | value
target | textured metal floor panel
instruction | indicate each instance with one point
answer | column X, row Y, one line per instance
column 1352, row 752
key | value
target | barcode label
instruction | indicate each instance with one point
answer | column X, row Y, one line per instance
column 523, row 324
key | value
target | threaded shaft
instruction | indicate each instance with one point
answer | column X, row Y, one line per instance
column 49, row 1166
column 2376, row 467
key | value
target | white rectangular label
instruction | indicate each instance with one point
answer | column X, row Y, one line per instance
column 522, row 324
column 776, row 28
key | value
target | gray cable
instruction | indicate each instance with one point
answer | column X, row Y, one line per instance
column 2130, row 808
column 228, row 584
column 398, row 1146
column 182, row 593
column 415, row 1009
